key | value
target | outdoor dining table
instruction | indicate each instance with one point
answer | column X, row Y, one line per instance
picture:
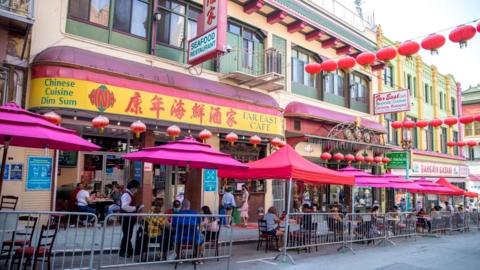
column 100, row 205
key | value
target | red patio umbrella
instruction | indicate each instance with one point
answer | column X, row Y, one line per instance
column 445, row 183
column 285, row 163
column 19, row 127
column 429, row 187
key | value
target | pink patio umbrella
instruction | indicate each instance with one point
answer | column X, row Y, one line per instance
column 364, row 179
column 186, row 152
column 19, row 127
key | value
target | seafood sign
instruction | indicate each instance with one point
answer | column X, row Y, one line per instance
column 390, row 102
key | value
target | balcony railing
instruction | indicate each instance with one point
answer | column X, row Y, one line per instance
column 264, row 69
column 23, row 8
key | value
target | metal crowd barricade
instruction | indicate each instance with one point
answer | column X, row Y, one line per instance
column 47, row 240
column 143, row 239
column 400, row 224
column 459, row 221
column 473, row 220
column 365, row 228
column 440, row 222
column 308, row 230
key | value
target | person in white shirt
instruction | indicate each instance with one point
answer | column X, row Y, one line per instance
column 228, row 202
column 128, row 205
column 83, row 201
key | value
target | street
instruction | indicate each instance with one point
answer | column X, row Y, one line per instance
column 456, row 251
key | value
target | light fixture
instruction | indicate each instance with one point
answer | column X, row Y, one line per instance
column 118, row 123
column 158, row 16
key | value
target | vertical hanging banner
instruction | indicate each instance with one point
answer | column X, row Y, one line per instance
column 212, row 40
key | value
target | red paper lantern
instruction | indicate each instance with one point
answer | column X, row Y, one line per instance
column 359, row 158
column 435, row 123
column 451, row 144
column 329, row 65
column 471, row 144
column 275, row 142
column 53, row 118
column 466, row 119
column 100, row 122
column 205, row 135
column 386, row 54
column 138, row 127
column 173, row 131
column 433, row 42
column 346, row 63
column 255, row 140
column 421, row 123
column 232, row 138
column 282, row 144
column 385, row 160
column 397, row 124
column 326, row 156
column 313, row 68
column 461, row 144
column 338, row 157
column 478, row 27
column 450, row 121
column 349, row 158
column 462, row 34
column 476, row 118
column 369, row 159
column 378, row 159
column 366, row 59
column 408, row 124
column 408, row 48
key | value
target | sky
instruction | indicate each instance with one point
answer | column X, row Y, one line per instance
column 413, row 19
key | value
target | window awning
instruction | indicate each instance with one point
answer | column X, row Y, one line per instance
column 302, row 110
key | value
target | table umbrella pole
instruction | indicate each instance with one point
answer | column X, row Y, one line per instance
column 287, row 218
column 4, row 160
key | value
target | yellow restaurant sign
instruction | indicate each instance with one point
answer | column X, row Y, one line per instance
column 91, row 96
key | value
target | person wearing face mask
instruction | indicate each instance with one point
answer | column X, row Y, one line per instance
column 128, row 206
column 176, row 207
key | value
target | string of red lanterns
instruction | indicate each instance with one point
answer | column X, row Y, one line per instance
column 349, row 158
column 449, row 121
column 433, row 42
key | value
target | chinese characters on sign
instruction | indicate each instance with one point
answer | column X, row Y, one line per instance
column 389, row 102
column 222, row 113
column 210, row 9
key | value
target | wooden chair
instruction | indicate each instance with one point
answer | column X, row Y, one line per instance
column 212, row 240
column 42, row 252
column 20, row 238
column 263, row 235
column 8, row 202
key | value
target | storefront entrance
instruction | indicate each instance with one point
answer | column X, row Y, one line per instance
column 103, row 169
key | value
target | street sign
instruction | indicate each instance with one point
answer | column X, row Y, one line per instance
column 210, row 180
column 398, row 160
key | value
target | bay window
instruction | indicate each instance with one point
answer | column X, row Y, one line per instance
column 300, row 59
column 178, row 23
column 131, row 16
column 93, row 11
column 334, row 83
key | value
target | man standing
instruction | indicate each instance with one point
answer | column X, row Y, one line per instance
column 228, row 202
column 128, row 205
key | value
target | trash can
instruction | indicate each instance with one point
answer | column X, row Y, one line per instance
column 236, row 216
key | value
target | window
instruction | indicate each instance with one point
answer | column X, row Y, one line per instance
column 300, row 58
column 391, row 133
column 469, row 129
column 334, row 83
column 131, row 16
column 414, row 135
column 455, row 139
column 94, row 11
column 409, row 84
column 415, row 86
column 430, row 94
column 443, row 140
column 453, row 102
column 476, row 128
column 441, row 101
column 359, row 88
column 175, row 21
column 429, row 137
column 249, row 38
column 426, row 94
column 388, row 76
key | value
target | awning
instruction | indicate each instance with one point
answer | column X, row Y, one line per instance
column 302, row 110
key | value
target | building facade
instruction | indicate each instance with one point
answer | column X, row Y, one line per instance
column 471, row 106
column 433, row 95
column 126, row 60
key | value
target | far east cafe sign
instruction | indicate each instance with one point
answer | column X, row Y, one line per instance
column 212, row 33
column 390, row 102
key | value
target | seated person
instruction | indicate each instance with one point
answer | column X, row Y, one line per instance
column 159, row 229
column 306, row 221
column 83, row 200
column 177, row 207
column 210, row 225
column 116, row 196
column 73, row 196
column 272, row 221
column 424, row 219
column 187, row 230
